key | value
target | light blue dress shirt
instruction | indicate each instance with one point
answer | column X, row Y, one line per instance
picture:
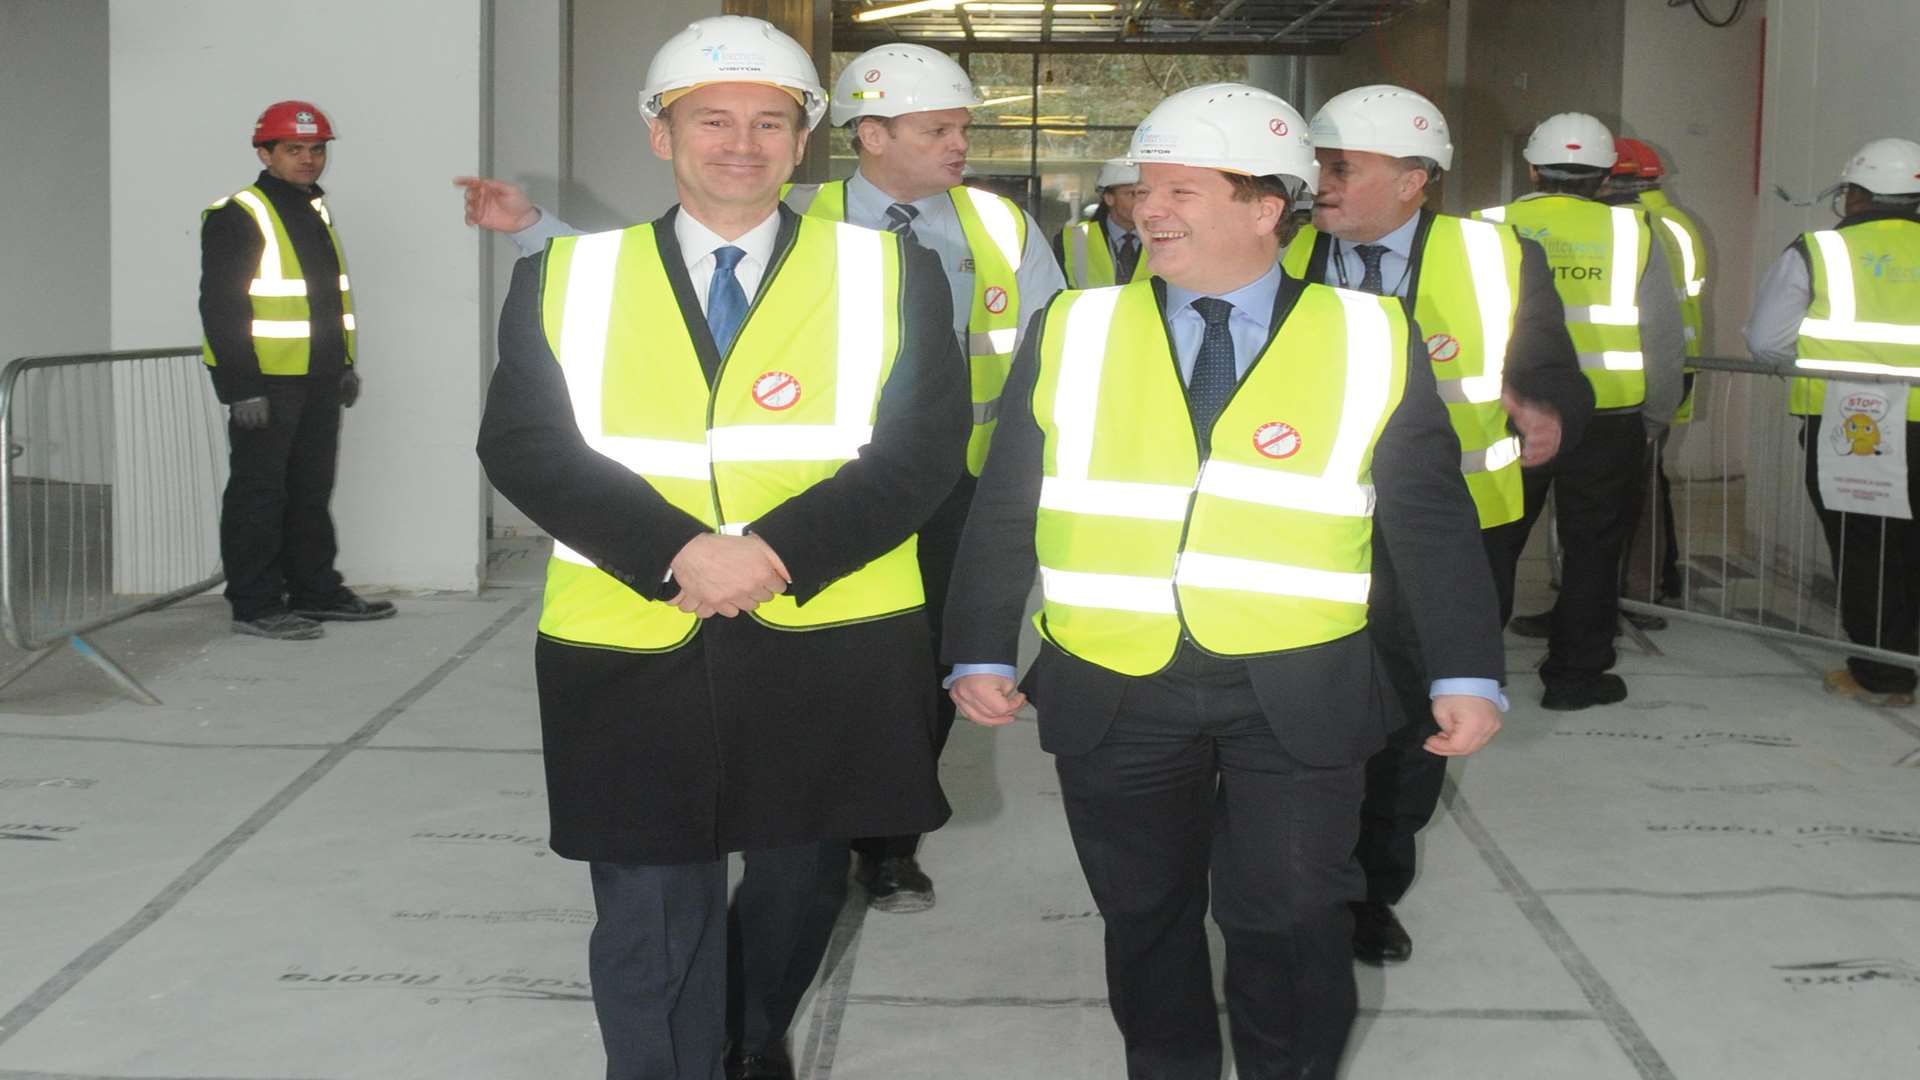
column 1346, row 269
column 1250, row 326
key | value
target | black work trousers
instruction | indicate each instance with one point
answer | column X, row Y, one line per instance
column 939, row 545
column 678, row 977
column 1404, row 778
column 1190, row 785
column 1876, row 560
column 276, row 534
column 1596, row 485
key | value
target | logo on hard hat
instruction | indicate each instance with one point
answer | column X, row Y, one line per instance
column 1574, row 146
column 1276, row 440
column 872, row 75
column 1277, row 126
column 303, row 117
column 714, row 52
column 1420, row 123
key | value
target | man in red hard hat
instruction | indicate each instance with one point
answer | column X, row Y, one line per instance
column 276, row 312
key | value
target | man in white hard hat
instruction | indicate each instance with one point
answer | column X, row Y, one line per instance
column 1104, row 249
column 1193, row 463
column 1625, row 322
column 731, row 421
column 1845, row 302
column 1503, row 364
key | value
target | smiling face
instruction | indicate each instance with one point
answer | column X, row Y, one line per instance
column 1364, row 196
column 732, row 145
column 915, row 156
column 1201, row 233
column 297, row 163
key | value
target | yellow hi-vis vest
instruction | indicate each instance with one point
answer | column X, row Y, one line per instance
column 1687, row 260
column 1090, row 259
column 1864, row 317
column 1267, row 544
column 282, row 319
column 1598, row 254
column 793, row 401
column 996, row 233
column 1468, row 288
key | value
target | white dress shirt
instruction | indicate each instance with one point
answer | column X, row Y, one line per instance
column 698, row 243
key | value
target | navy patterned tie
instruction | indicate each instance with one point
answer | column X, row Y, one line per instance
column 1129, row 258
column 1370, row 255
column 900, row 219
column 726, row 300
column 1213, row 376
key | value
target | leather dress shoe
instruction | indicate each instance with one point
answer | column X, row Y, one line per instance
column 1378, row 937
column 759, row 1067
column 895, row 884
column 345, row 606
column 1532, row 626
column 1574, row 695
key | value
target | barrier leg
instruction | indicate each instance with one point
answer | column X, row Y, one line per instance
column 24, row 665
column 114, row 671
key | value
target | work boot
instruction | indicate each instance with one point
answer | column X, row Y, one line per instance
column 1572, row 695
column 345, row 606
column 280, row 626
column 1841, row 683
column 895, row 884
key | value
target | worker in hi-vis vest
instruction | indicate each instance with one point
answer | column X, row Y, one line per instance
column 1192, row 464
column 732, row 421
column 1843, row 302
column 906, row 109
column 1625, row 323
column 1502, row 361
column 1105, row 249
column 276, row 318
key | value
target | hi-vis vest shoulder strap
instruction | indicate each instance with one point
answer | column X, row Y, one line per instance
column 1687, row 262
column 1464, row 301
column 793, row 401
column 1864, row 315
column 1264, row 546
column 1598, row 254
column 282, row 317
column 996, row 233
column 1090, row 258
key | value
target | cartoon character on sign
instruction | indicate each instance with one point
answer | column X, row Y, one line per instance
column 1859, row 433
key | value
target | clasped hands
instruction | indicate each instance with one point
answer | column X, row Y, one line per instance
column 726, row 575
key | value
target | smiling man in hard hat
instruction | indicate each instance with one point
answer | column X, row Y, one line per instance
column 1192, row 464
column 1502, row 361
column 732, row 421
column 1846, row 301
column 1105, row 249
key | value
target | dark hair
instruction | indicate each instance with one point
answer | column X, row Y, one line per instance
column 1581, row 180
column 1424, row 164
column 267, row 146
column 1254, row 188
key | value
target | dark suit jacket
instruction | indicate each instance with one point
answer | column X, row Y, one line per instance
column 1542, row 368
column 1328, row 704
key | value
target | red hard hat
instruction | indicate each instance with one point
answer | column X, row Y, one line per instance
column 292, row 120
column 1636, row 158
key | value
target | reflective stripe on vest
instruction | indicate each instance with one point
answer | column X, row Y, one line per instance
column 282, row 326
column 1267, row 544
column 1598, row 254
column 1090, row 258
column 1861, row 324
column 996, row 234
column 1464, row 302
column 819, row 341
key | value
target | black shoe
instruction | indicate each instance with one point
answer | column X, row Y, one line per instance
column 1644, row 622
column 1533, row 626
column 1378, row 937
column 346, row 607
column 1584, row 694
column 895, row 884
column 759, row 1067
column 280, row 626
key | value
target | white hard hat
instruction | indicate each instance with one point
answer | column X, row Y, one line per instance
column 732, row 48
column 1885, row 167
column 1382, row 119
column 1228, row 126
column 1117, row 171
column 1571, row 138
column 894, row 80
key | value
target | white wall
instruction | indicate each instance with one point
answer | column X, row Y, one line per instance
column 405, row 87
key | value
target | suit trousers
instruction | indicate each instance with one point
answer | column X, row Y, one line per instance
column 1190, row 785
column 1404, row 779
column 678, row 978
column 1596, row 487
column 1876, row 560
column 276, row 534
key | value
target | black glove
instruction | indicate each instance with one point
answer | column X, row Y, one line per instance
column 349, row 388
column 249, row 415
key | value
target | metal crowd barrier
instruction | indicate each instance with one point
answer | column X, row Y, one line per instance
column 109, row 496
column 1751, row 552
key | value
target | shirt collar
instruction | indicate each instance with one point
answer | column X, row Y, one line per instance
column 697, row 241
column 1253, row 300
column 865, row 195
column 1399, row 241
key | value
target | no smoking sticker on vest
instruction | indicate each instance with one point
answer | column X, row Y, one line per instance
column 1443, row 347
column 776, row 390
column 1276, row 440
column 995, row 299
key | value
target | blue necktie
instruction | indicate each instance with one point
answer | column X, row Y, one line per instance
column 726, row 300
column 1213, row 376
column 1370, row 279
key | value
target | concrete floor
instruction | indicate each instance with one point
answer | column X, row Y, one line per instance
column 326, row 860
